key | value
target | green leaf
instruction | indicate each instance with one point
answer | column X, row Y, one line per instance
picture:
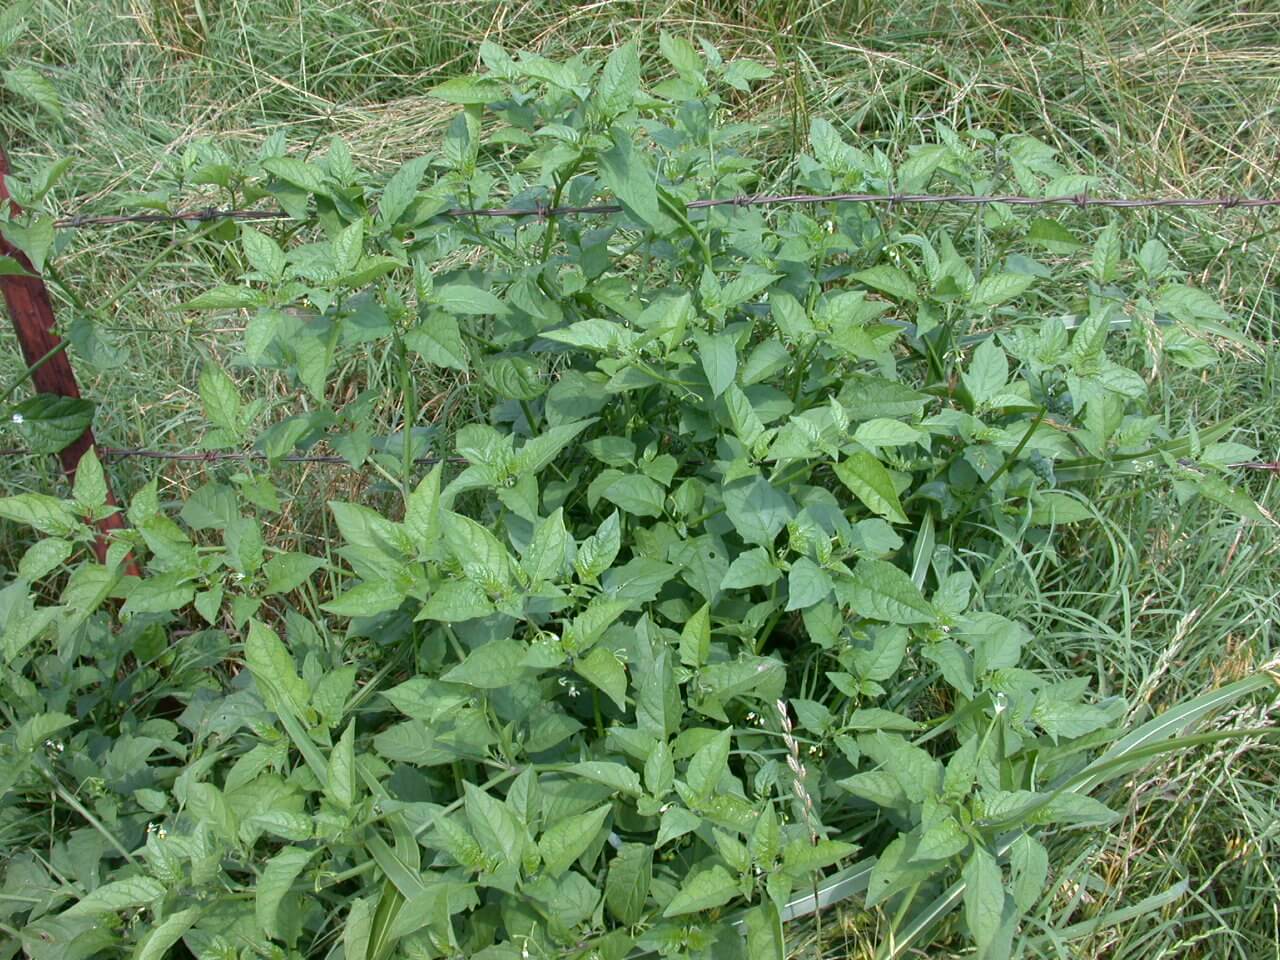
column 627, row 887
column 273, row 670
column 568, row 839
column 602, row 668
column 987, row 373
column 366, row 600
column 616, row 775
column 468, row 90
column 997, row 288
column 870, row 482
column 438, row 340
column 490, row 666
column 719, row 356
column 658, row 705
column 630, row 177
column 636, row 494
column 49, row 422
column 484, row 560
column 227, row 298
column 1106, row 253
column 273, row 885
column 764, row 933
column 41, row 511
column 880, row 591
column 539, row 451
column 703, row 891
column 304, row 175
column 888, row 279
column 983, row 896
column 263, row 253
column 221, row 399
column 116, row 896
column 401, row 189
column 709, row 765
column 89, row 489
column 342, row 768
column 25, row 82
column 757, row 510
column 754, row 568
column 468, row 300
column 619, row 81
column 695, row 638
column 884, row 432
column 496, row 827
column 599, row 550
column 546, row 557
column 160, row 594
column 807, row 584
column 162, row 937
column 455, row 601
column 288, row 571
column 348, row 245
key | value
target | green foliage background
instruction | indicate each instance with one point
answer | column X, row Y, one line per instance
column 747, row 571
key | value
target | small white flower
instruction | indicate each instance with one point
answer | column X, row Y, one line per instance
column 1002, row 702
column 751, row 718
column 18, row 418
column 573, row 690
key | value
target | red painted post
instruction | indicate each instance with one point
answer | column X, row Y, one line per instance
column 31, row 310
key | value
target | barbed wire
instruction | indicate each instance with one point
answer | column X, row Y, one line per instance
column 1078, row 200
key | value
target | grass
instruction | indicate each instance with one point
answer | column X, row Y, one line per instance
column 1162, row 600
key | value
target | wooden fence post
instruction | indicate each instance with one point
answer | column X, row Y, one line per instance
column 31, row 310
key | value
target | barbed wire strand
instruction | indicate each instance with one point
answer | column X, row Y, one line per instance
column 1078, row 200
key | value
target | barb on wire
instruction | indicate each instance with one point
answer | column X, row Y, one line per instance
column 1080, row 200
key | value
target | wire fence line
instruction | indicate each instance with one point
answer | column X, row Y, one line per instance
column 1078, row 200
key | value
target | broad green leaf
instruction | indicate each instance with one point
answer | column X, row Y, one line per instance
column 695, row 638
column 455, row 601
column 567, row 840
column 469, row 300
column 27, row 83
column 616, row 775
column 709, row 765
column 619, row 81
column 227, row 298
column 879, row 590
column 764, row 933
column 468, row 90
column 221, row 399
column 884, row 432
column 627, row 887
column 438, row 340
column 263, row 253
column 116, row 896
column 719, row 356
column 539, row 451
column 366, row 600
column 757, row 509
column 1106, row 253
column 495, row 826
column 288, row 571
column 807, row 584
column 89, row 488
column 401, row 189
column 490, row 666
column 348, row 245
column 300, row 173
column 888, row 279
column 754, row 568
column 273, row 670
column 599, row 550
column 983, row 896
column 342, row 768
column 631, row 178
column 273, row 885
column 160, row 594
column 637, row 495
column 48, row 422
column 658, row 703
column 703, row 891
column 546, row 557
column 997, row 288
column 870, row 482
column 162, row 937
column 988, row 372
column 602, row 668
